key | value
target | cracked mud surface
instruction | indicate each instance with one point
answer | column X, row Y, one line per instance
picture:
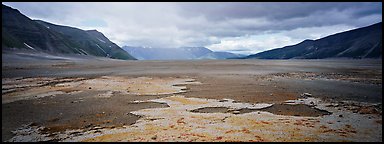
column 239, row 100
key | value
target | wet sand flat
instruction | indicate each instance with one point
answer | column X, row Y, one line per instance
column 89, row 99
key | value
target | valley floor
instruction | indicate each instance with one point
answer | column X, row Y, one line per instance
column 71, row 98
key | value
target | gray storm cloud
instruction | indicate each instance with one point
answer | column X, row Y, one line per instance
column 254, row 26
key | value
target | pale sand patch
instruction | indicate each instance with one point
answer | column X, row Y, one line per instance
column 21, row 89
column 136, row 86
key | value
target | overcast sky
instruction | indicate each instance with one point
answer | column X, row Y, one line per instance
column 235, row 27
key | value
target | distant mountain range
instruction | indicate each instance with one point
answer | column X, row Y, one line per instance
column 365, row 42
column 182, row 53
column 19, row 31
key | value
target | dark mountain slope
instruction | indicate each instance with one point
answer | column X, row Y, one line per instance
column 19, row 31
column 359, row 43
